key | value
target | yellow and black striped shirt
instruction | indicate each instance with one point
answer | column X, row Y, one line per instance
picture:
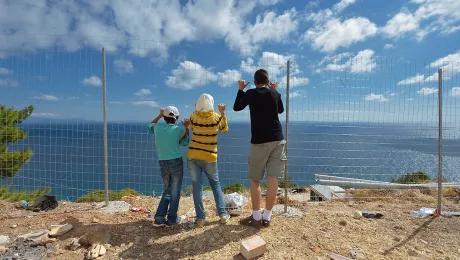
column 205, row 127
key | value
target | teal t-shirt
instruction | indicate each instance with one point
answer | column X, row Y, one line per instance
column 168, row 139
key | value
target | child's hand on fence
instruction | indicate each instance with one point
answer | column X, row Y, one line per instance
column 274, row 85
column 222, row 108
column 242, row 84
column 186, row 122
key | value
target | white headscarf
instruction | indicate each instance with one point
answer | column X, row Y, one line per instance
column 205, row 103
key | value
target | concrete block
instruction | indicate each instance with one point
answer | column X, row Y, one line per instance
column 253, row 247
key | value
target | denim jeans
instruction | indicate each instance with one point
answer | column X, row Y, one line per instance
column 172, row 172
column 196, row 167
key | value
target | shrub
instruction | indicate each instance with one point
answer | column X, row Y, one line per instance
column 413, row 178
column 207, row 188
column 8, row 194
column 290, row 185
column 99, row 195
column 234, row 187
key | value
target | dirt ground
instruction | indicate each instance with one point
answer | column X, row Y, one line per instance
column 324, row 229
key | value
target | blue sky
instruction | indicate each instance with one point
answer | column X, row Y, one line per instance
column 352, row 60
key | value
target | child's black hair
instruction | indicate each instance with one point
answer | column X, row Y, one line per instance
column 170, row 120
column 261, row 77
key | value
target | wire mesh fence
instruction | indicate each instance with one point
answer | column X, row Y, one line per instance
column 359, row 118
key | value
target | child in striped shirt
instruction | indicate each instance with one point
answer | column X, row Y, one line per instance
column 202, row 155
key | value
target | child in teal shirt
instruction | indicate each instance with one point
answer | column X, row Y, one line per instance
column 168, row 139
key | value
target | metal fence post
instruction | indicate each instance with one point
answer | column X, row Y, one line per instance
column 287, row 136
column 104, row 112
column 439, row 140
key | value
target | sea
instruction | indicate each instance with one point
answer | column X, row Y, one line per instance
column 69, row 156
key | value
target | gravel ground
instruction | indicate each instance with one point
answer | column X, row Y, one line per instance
column 116, row 207
column 326, row 229
column 291, row 212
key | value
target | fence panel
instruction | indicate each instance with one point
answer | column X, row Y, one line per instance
column 338, row 126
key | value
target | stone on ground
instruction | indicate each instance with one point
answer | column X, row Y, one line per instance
column 253, row 247
column 357, row 253
column 60, row 230
column 98, row 236
column 39, row 238
column 94, row 251
column 4, row 240
column 338, row 257
column 73, row 244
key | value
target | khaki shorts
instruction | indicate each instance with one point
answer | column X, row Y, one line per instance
column 269, row 157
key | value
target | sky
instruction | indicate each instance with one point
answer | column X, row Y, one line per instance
column 350, row 60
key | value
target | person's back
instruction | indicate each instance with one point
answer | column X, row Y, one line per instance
column 267, row 143
column 168, row 139
column 265, row 105
column 202, row 155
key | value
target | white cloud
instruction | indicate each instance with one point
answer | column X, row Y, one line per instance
column 44, row 115
column 411, row 99
column 143, row 92
column 388, row 46
column 248, row 66
column 334, row 33
column 429, row 16
column 5, row 71
column 296, row 94
column 143, row 28
column 294, row 81
column 427, row 91
column 93, row 81
column 268, row 2
column 400, row 24
column 149, row 103
column 417, row 79
column 434, row 77
column 450, row 63
column 46, row 98
column 361, row 63
column 272, row 28
column 123, row 66
column 340, row 6
column 376, row 97
column 189, row 75
column 228, row 77
column 393, row 94
column 8, row 83
column 455, row 92
column 117, row 102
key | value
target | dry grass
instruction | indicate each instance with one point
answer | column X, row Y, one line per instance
column 325, row 229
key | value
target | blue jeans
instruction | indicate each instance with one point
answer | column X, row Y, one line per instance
column 172, row 172
column 196, row 167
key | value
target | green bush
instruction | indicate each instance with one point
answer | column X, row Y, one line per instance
column 99, row 195
column 207, row 188
column 234, row 187
column 8, row 194
column 290, row 185
column 413, row 178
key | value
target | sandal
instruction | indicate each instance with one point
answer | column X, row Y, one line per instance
column 250, row 221
column 265, row 223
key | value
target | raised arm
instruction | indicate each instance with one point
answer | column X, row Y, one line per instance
column 155, row 120
column 274, row 86
column 241, row 100
column 223, row 125
column 185, row 134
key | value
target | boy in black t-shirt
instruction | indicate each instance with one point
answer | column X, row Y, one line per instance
column 267, row 142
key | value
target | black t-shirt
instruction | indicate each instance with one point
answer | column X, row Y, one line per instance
column 264, row 105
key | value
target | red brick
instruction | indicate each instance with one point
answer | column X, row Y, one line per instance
column 253, row 247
